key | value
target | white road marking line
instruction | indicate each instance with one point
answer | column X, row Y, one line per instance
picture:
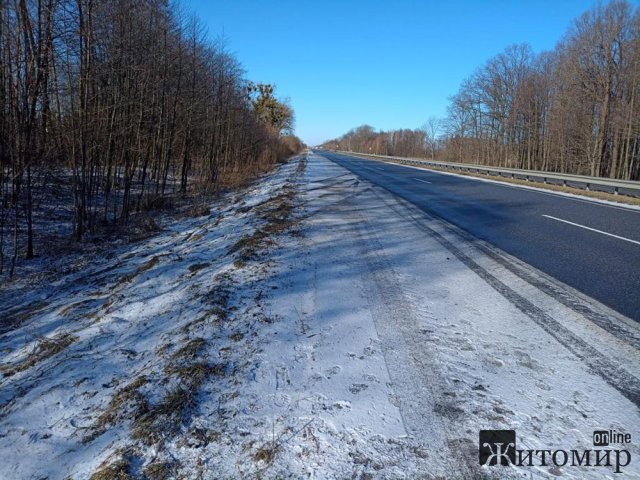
column 568, row 196
column 380, row 168
column 593, row 229
column 419, row 180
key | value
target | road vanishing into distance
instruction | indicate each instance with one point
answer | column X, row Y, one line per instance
column 590, row 246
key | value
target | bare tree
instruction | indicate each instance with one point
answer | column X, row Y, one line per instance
column 131, row 101
column 431, row 129
column 573, row 109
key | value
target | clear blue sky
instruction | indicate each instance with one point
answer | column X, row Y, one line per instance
column 390, row 64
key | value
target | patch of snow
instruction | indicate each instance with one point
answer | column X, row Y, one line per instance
column 354, row 345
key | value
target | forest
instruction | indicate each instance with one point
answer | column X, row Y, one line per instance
column 573, row 109
column 109, row 108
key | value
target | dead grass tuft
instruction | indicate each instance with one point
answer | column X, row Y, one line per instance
column 126, row 399
column 277, row 213
column 279, row 219
column 248, row 247
column 218, row 299
column 189, row 351
column 164, row 419
column 194, row 374
column 198, row 266
column 118, row 470
column 68, row 310
column 191, row 373
column 236, row 337
column 148, row 265
column 269, row 451
column 194, row 237
column 302, row 164
column 278, row 216
column 46, row 347
column 265, row 454
column 157, row 471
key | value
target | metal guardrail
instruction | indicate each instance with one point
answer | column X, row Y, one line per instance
column 564, row 179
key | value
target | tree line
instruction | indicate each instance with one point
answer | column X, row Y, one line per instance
column 129, row 102
column 573, row 109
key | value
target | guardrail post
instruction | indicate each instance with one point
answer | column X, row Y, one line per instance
column 615, row 190
column 587, row 187
column 544, row 180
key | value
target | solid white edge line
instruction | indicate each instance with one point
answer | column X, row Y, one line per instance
column 420, row 180
column 569, row 196
column 593, row 229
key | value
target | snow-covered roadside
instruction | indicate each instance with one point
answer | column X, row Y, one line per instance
column 115, row 363
column 317, row 328
column 467, row 344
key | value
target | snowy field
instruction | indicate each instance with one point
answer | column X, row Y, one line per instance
column 311, row 326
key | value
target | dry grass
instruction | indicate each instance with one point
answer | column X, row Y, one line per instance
column 118, row 470
column 268, row 451
column 200, row 210
column 218, row 299
column 624, row 199
column 127, row 399
column 194, row 237
column 279, row 218
column 198, row 266
column 148, row 265
column 157, row 471
column 45, row 348
column 248, row 247
column 277, row 213
column 265, row 454
column 302, row 164
column 189, row 351
column 236, row 337
column 13, row 318
column 68, row 310
column 165, row 419
column 194, row 374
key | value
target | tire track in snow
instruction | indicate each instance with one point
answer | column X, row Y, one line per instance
column 610, row 371
column 425, row 411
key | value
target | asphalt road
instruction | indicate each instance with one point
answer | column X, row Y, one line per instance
column 590, row 246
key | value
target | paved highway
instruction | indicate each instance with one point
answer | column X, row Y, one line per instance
column 590, row 246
